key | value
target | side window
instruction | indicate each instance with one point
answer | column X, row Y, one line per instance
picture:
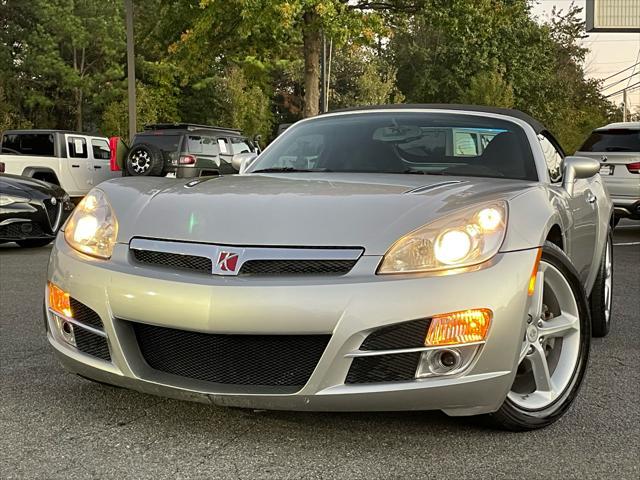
column 223, row 144
column 77, row 147
column 464, row 144
column 35, row 144
column 202, row 145
column 101, row 149
column 552, row 157
column 239, row 145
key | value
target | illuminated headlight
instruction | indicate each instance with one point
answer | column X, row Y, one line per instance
column 92, row 227
column 466, row 237
column 9, row 199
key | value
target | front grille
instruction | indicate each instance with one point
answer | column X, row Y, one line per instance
column 396, row 367
column 257, row 360
column 297, row 267
column 20, row 230
column 91, row 344
column 84, row 314
column 401, row 335
column 52, row 211
column 173, row 260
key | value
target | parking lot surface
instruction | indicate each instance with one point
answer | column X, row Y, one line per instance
column 56, row 425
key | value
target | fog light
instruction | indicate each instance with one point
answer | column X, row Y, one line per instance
column 59, row 300
column 446, row 361
column 64, row 330
column 462, row 327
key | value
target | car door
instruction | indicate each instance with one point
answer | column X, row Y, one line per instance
column 79, row 164
column 582, row 232
column 100, row 156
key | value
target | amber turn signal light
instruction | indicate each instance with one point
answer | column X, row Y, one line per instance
column 455, row 328
column 534, row 273
column 59, row 300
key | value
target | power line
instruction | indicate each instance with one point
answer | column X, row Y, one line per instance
column 618, row 73
column 607, row 87
column 634, row 69
column 630, row 88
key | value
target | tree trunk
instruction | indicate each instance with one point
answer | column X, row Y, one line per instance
column 312, row 47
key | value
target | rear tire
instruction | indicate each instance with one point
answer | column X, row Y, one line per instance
column 555, row 348
column 145, row 160
column 600, row 301
column 34, row 243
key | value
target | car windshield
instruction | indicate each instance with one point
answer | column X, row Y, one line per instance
column 618, row 140
column 403, row 143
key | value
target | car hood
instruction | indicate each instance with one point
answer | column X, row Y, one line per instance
column 25, row 186
column 295, row 209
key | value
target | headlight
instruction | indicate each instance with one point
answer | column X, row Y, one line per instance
column 92, row 227
column 466, row 237
column 9, row 199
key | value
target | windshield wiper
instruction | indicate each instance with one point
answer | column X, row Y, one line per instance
column 422, row 172
column 619, row 149
column 289, row 169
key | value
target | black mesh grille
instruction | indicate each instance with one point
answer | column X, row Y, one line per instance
column 52, row 210
column 395, row 367
column 260, row 360
column 173, row 260
column 402, row 335
column 91, row 343
column 297, row 267
column 21, row 230
column 383, row 368
column 84, row 314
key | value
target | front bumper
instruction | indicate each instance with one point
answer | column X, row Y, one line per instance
column 348, row 308
column 27, row 221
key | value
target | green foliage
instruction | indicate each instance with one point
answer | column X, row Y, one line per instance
column 488, row 88
column 252, row 63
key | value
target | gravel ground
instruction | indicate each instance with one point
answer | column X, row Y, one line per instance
column 56, row 425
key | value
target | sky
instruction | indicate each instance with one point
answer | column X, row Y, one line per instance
column 609, row 53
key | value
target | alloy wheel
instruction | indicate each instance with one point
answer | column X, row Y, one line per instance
column 608, row 281
column 140, row 161
column 551, row 346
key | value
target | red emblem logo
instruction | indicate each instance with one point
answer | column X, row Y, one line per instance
column 227, row 261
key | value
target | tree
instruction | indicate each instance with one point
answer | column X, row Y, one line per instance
column 58, row 56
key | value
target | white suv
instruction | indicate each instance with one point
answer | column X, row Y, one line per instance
column 75, row 161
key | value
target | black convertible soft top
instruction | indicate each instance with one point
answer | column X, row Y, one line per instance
column 537, row 126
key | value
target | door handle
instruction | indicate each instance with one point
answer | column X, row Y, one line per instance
column 97, row 167
column 75, row 166
column 591, row 198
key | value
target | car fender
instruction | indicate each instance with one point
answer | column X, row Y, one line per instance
column 532, row 215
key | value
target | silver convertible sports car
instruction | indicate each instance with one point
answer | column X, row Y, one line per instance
column 392, row 258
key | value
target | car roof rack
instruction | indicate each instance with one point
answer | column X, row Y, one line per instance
column 187, row 126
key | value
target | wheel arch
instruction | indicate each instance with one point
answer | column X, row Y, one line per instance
column 42, row 173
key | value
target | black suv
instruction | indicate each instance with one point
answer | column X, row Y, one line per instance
column 186, row 150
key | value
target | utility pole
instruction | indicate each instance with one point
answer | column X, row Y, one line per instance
column 624, row 105
column 131, row 69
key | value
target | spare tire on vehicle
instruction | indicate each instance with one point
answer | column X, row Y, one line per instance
column 145, row 159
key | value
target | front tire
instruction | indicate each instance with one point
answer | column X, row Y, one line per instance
column 600, row 301
column 555, row 349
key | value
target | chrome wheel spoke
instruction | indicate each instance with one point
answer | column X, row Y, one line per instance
column 540, row 368
column 523, row 352
column 560, row 326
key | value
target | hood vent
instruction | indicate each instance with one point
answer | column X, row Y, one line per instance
column 427, row 188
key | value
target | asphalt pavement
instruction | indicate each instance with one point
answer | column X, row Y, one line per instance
column 56, row 425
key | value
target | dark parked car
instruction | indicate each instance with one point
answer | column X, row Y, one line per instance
column 31, row 211
column 186, row 150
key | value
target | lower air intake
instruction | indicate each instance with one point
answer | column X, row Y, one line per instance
column 257, row 360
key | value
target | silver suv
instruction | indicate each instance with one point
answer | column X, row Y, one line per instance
column 617, row 148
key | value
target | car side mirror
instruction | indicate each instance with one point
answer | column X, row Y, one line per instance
column 241, row 161
column 578, row 167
